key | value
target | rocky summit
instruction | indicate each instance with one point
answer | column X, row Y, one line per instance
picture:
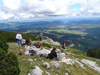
column 80, row 63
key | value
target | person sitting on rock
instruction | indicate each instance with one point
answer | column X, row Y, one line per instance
column 62, row 56
column 53, row 54
column 28, row 42
column 37, row 45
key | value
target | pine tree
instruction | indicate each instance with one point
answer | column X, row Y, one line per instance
column 3, row 45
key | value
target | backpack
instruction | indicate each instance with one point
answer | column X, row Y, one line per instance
column 32, row 52
column 34, row 44
column 63, row 42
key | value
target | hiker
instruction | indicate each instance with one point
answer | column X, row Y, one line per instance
column 62, row 56
column 19, row 41
column 28, row 42
column 40, row 38
column 53, row 54
column 63, row 44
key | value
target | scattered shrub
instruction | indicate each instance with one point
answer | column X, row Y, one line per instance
column 3, row 45
column 94, row 53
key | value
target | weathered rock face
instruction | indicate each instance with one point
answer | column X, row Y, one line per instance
column 91, row 64
column 30, row 60
column 47, row 73
column 51, row 41
column 55, row 64
column 66, row 74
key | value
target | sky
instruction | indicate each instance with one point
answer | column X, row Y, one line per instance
column 75, row 6
column 42, row 9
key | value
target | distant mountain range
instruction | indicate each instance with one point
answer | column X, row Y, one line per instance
column 48, row 22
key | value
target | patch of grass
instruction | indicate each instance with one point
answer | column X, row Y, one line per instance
column 98, row 63
column 66, row 31
column 44, row 38
column 47, row 45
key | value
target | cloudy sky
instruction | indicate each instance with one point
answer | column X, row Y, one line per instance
column 40, row 9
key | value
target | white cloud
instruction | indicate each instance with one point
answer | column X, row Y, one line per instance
column 33, row 9
column 12, row 4
column 73, row 15
column 6, row 16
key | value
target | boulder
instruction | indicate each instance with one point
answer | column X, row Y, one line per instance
column 30, row 60
column 55, row 64
column 46, row 64
column 36, row 71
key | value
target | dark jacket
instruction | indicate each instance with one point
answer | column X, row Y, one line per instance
column 52, row 54
column 27, row 41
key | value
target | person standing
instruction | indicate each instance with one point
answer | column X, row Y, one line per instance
column 40, row 39
column 19, row 41
column 63, row 44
